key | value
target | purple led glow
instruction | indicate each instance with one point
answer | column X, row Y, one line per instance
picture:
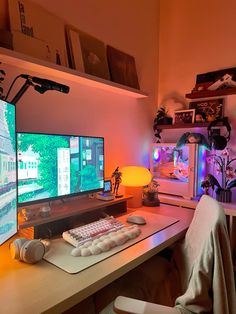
column 156, row 154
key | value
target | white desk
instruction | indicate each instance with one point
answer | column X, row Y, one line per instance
column 44, row 288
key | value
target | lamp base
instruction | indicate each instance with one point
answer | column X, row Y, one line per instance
column 137, row 193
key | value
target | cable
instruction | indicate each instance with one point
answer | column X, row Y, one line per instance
column 11, row 87
column 39, row 84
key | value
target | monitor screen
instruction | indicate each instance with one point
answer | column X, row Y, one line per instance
column 54, row 166
column 8, row 191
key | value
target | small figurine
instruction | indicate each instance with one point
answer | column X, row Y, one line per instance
column 117, row 176
column 200, row 116
column 192, row 138
column 27, row 214
column 206, row 185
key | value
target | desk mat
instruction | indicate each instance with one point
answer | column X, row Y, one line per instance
column 59, row 253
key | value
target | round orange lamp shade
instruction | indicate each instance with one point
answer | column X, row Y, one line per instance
column 135, row 176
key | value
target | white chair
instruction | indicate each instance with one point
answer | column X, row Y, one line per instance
column 204, row 263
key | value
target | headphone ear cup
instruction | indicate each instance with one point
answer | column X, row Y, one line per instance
column 32, row 251
column 15, row 247
column 219, row 142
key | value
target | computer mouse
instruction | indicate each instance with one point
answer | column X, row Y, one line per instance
column 139, row 220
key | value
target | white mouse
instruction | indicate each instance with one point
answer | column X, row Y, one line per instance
column 139, row 220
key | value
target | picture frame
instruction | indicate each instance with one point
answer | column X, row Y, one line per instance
column 31, row 35
column 210, row 109
column 122, row 67
column 74, row 48
column 87, row 53
column 184, row 116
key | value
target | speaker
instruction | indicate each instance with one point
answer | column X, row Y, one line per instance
column 28, row 251
column 219, row 142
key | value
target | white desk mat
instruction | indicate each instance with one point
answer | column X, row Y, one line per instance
column 59, row 253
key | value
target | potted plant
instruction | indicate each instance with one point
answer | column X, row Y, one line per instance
column 162, row 117
column 224, row 167
column 150, row 194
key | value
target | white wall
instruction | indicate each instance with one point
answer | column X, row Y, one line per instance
column 196, row 36
column 126, row 123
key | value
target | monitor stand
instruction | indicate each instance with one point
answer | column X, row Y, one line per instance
column 105, row 196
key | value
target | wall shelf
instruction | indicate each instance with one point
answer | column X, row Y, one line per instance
column 28, row 63
column 209, row 93
column 183, row 126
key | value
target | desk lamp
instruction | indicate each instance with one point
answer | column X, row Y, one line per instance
column 134, row 178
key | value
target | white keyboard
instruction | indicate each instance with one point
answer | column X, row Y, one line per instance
column 99, row 236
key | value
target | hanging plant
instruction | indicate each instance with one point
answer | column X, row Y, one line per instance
column 161, row 118
column 2, row 77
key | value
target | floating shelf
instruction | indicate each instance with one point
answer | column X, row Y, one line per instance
column 47, row 68
column 183, row 125
column 211, row 93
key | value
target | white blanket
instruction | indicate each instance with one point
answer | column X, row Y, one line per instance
column 205, row 264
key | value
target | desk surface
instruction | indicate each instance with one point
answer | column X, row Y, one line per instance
column 44, row 288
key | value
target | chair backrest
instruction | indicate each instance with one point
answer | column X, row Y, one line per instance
column 205, row 262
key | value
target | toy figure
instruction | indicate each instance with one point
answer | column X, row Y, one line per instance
column 117, row 175
column 200, row 116
column 192, row 138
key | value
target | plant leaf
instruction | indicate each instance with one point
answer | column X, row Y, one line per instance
column 213, row 181
column 231, row 184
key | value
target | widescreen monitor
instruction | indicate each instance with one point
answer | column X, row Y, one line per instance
column 52, row 166
column 8, row 191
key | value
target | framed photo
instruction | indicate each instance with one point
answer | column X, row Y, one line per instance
column 210, row 109
column 184, row 116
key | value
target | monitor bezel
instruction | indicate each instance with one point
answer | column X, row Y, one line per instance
column 16, row 176
column 66, row 196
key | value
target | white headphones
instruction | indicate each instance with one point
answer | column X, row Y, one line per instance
column 28, row 251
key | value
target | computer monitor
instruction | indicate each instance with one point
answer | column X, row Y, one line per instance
column 8, row 191
column 52, row 166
